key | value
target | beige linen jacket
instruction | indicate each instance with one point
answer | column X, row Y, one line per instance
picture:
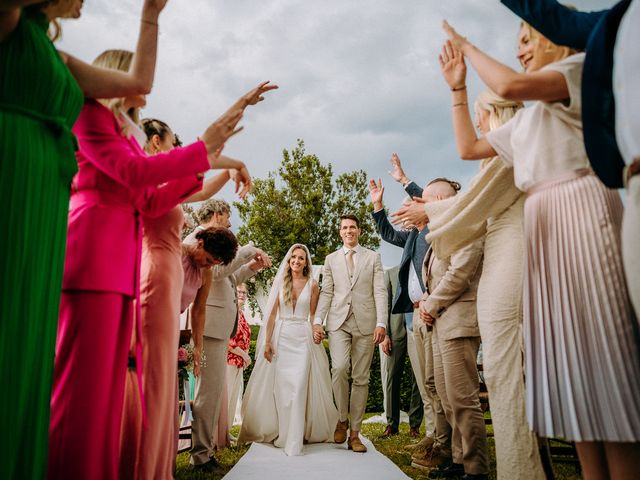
column 221, row 312
column 451, row 288
column 365, row 293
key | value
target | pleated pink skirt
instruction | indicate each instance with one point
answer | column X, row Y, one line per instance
column 582, row 345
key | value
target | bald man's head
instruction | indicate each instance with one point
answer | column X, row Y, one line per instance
column 439, row 189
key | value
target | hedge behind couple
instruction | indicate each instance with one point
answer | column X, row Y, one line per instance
column 290, row 396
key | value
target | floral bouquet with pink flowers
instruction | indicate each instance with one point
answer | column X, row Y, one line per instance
column 186, row 361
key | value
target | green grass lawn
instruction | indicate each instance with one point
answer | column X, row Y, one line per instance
column 391, row 447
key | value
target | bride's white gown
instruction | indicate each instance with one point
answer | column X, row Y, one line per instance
column 290, row 399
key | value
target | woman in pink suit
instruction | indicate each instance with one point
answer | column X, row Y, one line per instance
column 116, row 183
column 149, row 453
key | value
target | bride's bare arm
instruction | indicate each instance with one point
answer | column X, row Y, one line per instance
column 315, row 294
column 268, row 348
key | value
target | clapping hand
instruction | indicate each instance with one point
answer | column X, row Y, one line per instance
column 411, row 214
column 396, row 172
column 454, row 69
column 376, row 190
column 458, row 41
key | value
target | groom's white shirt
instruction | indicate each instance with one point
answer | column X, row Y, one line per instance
column 364, row 293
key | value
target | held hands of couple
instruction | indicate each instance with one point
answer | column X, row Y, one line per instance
column 378, row 335
column 318, row 334
column 411, row 214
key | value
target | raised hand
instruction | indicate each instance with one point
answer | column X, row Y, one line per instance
column 255, row 95
column 220, row 131
column 458, row 41
column 453, row 66
column 242, row 179
column 396, row 172
column 376, row 190
column 411, row 214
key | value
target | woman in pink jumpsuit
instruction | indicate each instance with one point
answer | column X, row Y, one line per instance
column 115, row 184
column 149, row 453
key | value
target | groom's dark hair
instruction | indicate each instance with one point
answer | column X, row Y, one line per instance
column 350, row 217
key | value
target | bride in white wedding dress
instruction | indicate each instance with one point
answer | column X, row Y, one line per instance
column 289, row 400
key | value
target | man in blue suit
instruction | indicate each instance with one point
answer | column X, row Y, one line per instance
column 594, row 32
column 407, row 296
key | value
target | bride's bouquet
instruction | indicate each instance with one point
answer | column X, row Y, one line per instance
column 186, row 361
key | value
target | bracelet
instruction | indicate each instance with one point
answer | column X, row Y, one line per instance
column 149, row 22
column 460, row 104
column 457, row 89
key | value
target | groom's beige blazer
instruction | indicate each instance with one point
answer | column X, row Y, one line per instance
column 365, row 293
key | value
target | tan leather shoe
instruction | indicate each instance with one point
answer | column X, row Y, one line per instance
column 340, row 435
column 356, row 445
column 438, row 455
column 424, row 445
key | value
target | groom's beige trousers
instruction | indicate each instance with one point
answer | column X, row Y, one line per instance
column 350, row 348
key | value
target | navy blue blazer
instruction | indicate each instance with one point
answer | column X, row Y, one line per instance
column 414, row 250
column 596, row 33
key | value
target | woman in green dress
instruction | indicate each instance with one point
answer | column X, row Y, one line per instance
column 41, row 94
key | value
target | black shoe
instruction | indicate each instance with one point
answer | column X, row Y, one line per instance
column 212, row 466
column 477, row 476
column 447, row 470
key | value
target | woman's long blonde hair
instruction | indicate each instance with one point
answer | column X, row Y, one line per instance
column 500, row 110
column 118, row 60
column 287, row 284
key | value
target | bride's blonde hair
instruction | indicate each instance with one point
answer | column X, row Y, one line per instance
column 287, row 282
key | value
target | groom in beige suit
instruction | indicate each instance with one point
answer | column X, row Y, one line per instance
column 353, row 301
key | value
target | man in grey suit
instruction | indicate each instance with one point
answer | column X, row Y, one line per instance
column 392, row 367
column 212, row 338
column 353, row 301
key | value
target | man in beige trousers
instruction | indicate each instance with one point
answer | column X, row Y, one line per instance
column 354, row 303
column 212, row 338
column 449, row 306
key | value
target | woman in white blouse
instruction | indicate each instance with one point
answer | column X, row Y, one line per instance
column 582, row 360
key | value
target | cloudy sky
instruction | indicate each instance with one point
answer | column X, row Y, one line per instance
column 358, row 79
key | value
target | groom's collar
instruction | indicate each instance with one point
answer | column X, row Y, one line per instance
column 355, row 249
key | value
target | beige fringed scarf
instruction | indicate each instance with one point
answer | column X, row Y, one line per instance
column 460, row 220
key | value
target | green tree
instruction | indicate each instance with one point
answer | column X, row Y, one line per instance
column 302, row 203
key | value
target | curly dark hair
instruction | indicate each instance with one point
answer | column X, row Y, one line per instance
column 221, row 243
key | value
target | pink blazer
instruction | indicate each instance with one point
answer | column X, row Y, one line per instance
column 115, row 183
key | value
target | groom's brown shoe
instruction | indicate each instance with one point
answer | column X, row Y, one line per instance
column 356, row 445
column 340, row 435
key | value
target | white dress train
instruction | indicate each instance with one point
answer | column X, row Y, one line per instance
column 289, row 400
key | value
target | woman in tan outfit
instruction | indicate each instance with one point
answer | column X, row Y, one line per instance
column 494, row 206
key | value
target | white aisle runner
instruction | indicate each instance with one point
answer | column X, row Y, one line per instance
column 321, row 461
